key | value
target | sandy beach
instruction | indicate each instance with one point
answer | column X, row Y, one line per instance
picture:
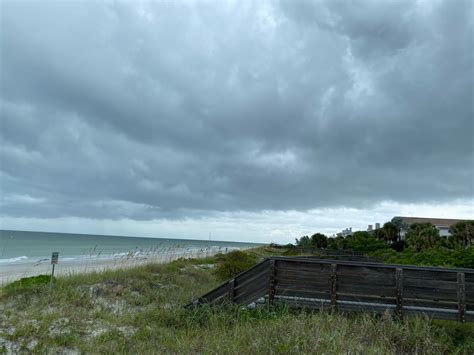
column 12, row 272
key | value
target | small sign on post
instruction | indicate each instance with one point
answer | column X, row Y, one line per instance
column 54, row 258
column 54, row 261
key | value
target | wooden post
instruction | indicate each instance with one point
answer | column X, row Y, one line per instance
column 51, row 280
column 333, row 285
column 54, row 261
column 271, row 283
column 461, row 296
column 231, row 290
column 399, row 295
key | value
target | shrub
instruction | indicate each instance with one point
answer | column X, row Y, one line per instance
column 364, row 242
column 33, row 283
column 431, row 257
column 234, row 263
column 462, row 234
column 422, row 236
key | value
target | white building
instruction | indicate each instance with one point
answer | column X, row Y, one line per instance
column 346, row 232
column 442, row 224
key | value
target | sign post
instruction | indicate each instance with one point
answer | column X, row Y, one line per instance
column 54, row 261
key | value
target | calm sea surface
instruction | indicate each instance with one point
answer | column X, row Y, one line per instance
column 20, row 247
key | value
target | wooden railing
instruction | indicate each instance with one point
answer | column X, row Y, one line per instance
column 333, row 254
column 352, row 286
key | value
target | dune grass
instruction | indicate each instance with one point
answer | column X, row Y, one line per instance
column 140, row 310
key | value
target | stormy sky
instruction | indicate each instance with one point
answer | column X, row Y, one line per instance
column 252, row 120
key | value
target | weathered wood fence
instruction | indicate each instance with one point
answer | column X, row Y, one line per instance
column 352, row 286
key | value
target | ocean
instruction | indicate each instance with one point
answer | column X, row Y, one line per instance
column 20, row 247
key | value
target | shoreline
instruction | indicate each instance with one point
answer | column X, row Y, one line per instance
column 16, row 271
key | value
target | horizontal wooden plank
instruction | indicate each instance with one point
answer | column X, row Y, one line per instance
column 303, row 286
column 303, row 304
column 307, row 272
column 262, row 282
column 302, row 265
column 430, row 303
column 365, row 290
column 251, row 273
column 285, row 278
column 263, row 276
column 348, row 258
column 301, row 274
column 365, row 298
column 470, row 297
column 469, row 286
column 221, row 299
column 305, row 283
column 308, row 299
column 469, row 277
column 429, row 283
column 249, row 298
column 440, row 275
column 302, row 293
column 430, row 293
column 362, row 271
column 388, row 266
column 251, row 295
column 387, row 281
column 216, row 293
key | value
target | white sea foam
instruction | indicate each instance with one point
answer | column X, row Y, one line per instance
column 164, row 253
column 13, row 260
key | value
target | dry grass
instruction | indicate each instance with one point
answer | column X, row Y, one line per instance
column 140, row 311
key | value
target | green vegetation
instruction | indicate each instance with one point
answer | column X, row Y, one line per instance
column 431, row 257
column 31, row 284
column 462, row 233
column 234, row 263
column 140, row 310
column 423, row 236
column 364, row 242
column 422, row 244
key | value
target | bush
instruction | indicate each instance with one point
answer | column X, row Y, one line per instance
column 364, row 242
column 33, row 283
column 422, row 236
column 234, row 263
column 431, row 257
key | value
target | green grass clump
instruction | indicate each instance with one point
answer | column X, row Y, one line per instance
column 234, row 263
column 29, row 284
column 140, row 310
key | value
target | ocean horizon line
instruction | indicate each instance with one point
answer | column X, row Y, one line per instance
column 126, row 236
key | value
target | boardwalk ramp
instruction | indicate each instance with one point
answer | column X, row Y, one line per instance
column 442, row 293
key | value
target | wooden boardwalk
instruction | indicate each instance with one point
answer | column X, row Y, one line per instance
column 352, row 286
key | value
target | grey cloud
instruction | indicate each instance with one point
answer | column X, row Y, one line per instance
column 152, row 110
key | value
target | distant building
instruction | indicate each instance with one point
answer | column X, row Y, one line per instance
column 370, row 228
column 442, row 224
column 346, row 232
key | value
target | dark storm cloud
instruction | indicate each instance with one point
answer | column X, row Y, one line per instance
column 150, row 110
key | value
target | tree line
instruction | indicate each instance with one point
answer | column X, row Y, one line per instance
column 418, row 243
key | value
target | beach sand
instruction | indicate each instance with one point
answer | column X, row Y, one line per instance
column 12, row 272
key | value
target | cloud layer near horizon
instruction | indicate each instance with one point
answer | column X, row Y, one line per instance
column 148, row 110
